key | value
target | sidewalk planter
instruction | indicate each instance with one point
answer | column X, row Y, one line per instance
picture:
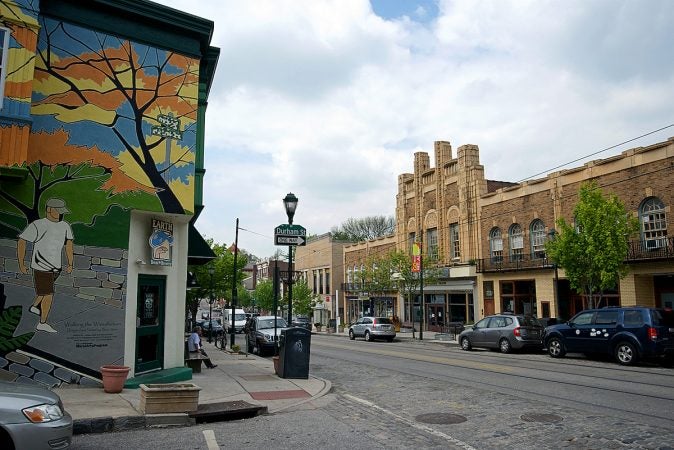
column 169, row 398
column 318, row 326
column 114, row 378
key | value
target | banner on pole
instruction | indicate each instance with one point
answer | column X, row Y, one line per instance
column 416, row 258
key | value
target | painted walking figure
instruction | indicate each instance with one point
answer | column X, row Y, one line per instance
column 50, row 236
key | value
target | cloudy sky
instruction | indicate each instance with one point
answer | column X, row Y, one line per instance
column 329, row 99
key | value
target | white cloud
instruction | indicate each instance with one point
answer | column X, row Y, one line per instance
column 329, row 101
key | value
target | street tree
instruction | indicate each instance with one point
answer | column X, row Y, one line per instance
column 264, row 295
column 364, row 229
column 219, row 285
column 409, row 283
column 304, row 300
column 592, row 249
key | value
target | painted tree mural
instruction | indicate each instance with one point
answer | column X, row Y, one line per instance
column 90, row 179
column 120, row 95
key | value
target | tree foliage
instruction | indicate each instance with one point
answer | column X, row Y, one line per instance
column 264, row 295
column 592, row 250
column 303, row 299
column 219, row 285
column 364, row 229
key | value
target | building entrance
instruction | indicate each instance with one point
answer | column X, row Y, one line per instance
column 150, row 323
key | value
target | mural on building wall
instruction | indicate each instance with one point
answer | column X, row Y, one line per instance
column 113, row 129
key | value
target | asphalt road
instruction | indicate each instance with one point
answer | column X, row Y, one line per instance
column 411, row 395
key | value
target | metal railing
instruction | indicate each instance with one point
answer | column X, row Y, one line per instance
column 647, row 249
column 507, row 263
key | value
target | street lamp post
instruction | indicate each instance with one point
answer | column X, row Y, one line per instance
column 211, row 271
column 234, row 292
column 290, row 203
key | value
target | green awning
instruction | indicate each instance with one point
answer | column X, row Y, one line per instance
column 198, row 250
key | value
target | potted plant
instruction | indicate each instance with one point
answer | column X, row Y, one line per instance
column 114, row 378
column 318, row 326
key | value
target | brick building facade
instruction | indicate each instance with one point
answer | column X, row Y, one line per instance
column 488, row 236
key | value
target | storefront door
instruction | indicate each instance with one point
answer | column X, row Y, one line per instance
column 150, row 323
column 436, row 317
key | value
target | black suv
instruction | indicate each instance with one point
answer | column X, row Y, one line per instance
column 627, row 333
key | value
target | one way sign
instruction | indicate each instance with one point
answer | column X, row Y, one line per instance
column 290, row 240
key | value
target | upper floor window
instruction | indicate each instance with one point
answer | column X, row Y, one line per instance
column 496, row 245
column 348, row 275
column 537, row 239
column 653, row 220
column 432, row 243
column 454, row 242
column 516, row 242
column 4, row 47
column 411, row 239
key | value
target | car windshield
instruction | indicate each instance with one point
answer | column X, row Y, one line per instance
column 269, row 323
column 239, row 317
column 383, row 320
column 301, row 319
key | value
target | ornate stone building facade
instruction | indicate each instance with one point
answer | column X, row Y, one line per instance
column 488, row 236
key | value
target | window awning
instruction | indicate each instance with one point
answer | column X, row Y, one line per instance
column 198, row 250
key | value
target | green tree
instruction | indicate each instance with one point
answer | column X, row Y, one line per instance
column 220, row 284
column 364, row 229
column 409, row 283
column 592, row 249
column 264, row 295
column 303, row 299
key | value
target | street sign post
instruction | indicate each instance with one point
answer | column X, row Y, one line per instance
column 294, row 235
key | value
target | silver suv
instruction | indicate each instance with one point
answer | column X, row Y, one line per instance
column 372, row 328
column 504, row 332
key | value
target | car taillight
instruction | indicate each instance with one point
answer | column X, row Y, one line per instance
column 652, row 334
column 517, row 332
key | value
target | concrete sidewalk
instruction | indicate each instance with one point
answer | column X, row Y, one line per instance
column 237, row 383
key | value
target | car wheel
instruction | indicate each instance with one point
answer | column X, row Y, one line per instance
column 351, row 335
column 626, row 353
column 465, row 344
column 504, row 345
column 368, row 336
column 389, row 339
column 556, row 348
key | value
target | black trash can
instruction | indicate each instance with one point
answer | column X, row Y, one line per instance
column 294, row 347
column 332, row 324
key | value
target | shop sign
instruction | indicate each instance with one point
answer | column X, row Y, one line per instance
column 161, row 242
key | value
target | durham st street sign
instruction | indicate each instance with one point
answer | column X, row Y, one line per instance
column 286, row 234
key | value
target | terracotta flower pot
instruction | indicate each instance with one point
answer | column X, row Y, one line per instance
column 277, row 365
column 114, row 378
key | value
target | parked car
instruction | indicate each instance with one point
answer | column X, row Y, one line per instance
column 32, row 417
column 505, row 332
column 372, row 328
column 627, row 333
column 261, row 337
column 302, row 322
column 206, row 327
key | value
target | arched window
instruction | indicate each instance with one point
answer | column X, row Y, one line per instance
column 653, row 220
column 496, row 245
column 516, row 242
column 537, row 239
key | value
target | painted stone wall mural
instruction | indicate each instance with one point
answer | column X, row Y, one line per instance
column 113, row 129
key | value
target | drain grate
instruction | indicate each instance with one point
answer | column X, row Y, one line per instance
column 541, row 417
column 440, row 418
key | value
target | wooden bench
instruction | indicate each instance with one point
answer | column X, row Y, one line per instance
column 193, row 361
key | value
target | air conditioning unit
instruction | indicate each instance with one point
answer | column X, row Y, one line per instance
column 654, row 244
